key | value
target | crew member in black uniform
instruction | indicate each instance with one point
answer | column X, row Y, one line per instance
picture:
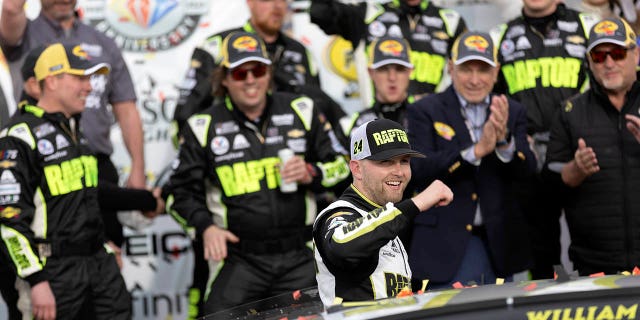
column 293, row 71
column 357, row 249
column 253, row 233
column 50, row 222
column 389, row 69
column 293, row 67
column 111, row 197
column 429, row 29
column 542, row 56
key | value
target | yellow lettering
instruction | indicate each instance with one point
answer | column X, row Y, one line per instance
column 534, row 69
column 242, row 177
column 566, row 314
column 255, row 173
column 388, row 136
column 227, row 180
column 579, row 312
column 246, row 177
column 73, row 172
column 16, row 253
column 333, row 172
column 571, row 72
column 53, row 175
column 427, row 67
column 91, row 171
column 538, row 315
column 68, row 175
column 605, row 314
column 556, row 72
column 544, row 64
column 593, row 313
column 626, row 313
column 509, row 73
column 521, row 74
column 271, row 177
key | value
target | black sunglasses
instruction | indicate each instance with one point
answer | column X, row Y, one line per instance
column 258, row 71
column 616, row 54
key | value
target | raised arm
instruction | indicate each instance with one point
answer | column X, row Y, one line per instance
column 13, row 22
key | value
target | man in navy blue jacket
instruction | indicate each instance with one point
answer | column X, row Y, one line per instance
column 475, row 143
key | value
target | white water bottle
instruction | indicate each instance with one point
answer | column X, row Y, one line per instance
column 285, row 155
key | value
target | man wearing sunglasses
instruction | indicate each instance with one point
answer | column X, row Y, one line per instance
column 253, row 233
column 593, row 149
column 542, row 55
column 293, row 67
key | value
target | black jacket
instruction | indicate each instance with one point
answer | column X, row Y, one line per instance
column 430, row 30
column 357, row 250
column 603, row 213
column 48, row 191
column 542, row 70
column 238, row 160
column 438, row 129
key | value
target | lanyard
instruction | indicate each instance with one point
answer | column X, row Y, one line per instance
column 471, row 126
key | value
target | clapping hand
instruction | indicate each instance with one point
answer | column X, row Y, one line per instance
column 586, row 159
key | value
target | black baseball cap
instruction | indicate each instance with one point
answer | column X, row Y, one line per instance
column 241, row 47
column 611, row 30
column 389, row 50
column 380, row 139
column 29, row 63
column 473, row 45
column 72, row 59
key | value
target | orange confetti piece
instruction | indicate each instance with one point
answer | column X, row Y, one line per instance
column 531, row 286
column 296, row 295
column 636, row 271
column 596, row 275
column 405, row 292
column 457, row 285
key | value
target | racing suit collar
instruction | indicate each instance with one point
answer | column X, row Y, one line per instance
column 390, row 110
column 357, row 197
column 544, row 24
column 56, row 117
column 242, row 118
